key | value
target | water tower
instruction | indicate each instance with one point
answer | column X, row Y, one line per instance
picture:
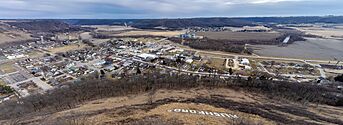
column 42, row 39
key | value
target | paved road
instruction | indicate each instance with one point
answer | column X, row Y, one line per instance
column 321, row 70
column 322, row 73
column 8, row 74
column 265, row 70
column 261, row 57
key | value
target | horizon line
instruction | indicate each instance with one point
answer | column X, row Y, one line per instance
column 196, row 17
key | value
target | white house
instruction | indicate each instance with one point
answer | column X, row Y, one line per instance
column 245, row 61
column 146, row 56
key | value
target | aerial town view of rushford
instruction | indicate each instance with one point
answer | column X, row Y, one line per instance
column 159, row 62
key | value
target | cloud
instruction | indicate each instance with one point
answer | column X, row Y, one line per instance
column 272, row 1
column 163, row 8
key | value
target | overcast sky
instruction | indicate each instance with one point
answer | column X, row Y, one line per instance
column 128, row 9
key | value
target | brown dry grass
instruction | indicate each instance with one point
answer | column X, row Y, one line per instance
column 73, row 35
column 146, row 40
column 192, row 119
column 11, row 34
column 109, row 28
column 10, row 37
column 217, row 63
column 7, row 67
column 103, row 109
column 2, row 82
column 327, row 111
column 113, row 28
column 162, row 94
column 135, row 109
column 120, row 115
column 240, row 35
column 67, row 48
column 323, row 32
column 35, row 54
column 153, row 33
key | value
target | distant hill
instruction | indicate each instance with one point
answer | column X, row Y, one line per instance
column 295, row 20
column 169, row 23
column 52, row 25
column 12, row 34
column 206, row 22
column 35, row 26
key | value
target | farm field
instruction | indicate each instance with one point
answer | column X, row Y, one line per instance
column 335, row 32
column 67, row 48
column 85, row 36
column 131, row 31
column 142, row 39
column 313, row 48
column 68, row 36
column 240, row 35
column 98, row 41
column 109, row 28
column 151, row 33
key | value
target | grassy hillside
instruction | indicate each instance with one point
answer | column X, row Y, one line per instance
column 147, row 99
column 12, row 34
